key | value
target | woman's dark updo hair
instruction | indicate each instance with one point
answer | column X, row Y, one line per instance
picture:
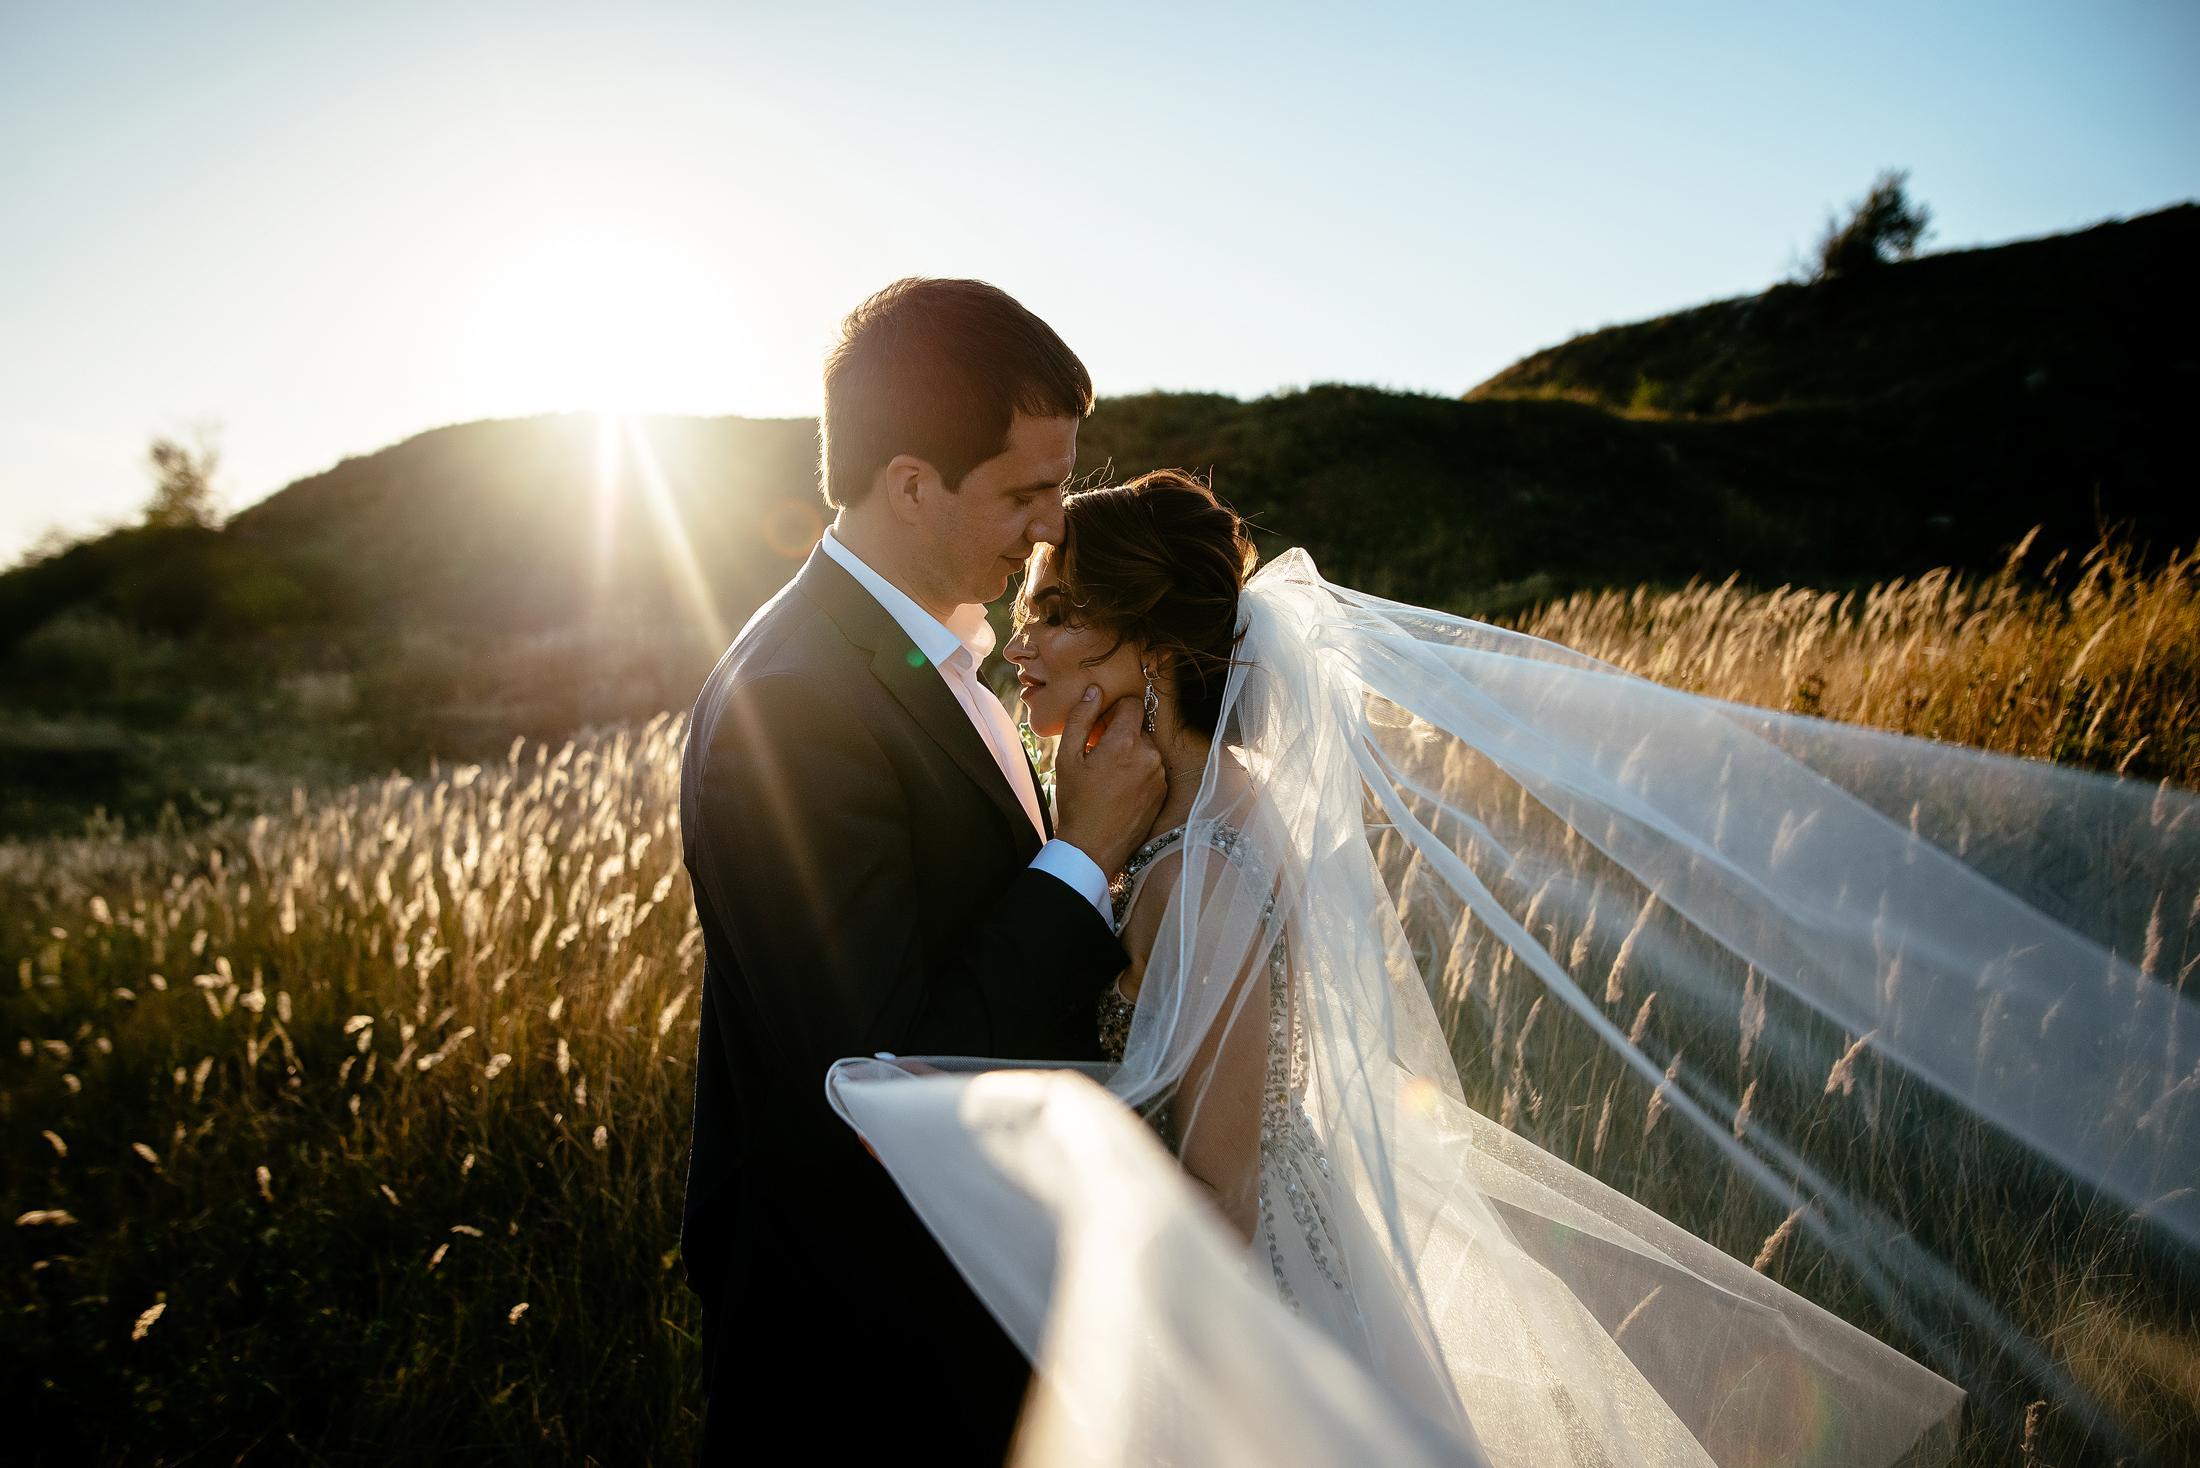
column 1160, row 561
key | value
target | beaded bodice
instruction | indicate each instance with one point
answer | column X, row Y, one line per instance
column 1294, row 1170
column 1115, row 1010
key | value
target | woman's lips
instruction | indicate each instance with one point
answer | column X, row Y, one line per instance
column 1025, row 683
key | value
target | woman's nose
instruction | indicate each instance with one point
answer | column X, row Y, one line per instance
column 1018, row 649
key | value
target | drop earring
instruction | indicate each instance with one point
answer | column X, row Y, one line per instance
column 1153, row 700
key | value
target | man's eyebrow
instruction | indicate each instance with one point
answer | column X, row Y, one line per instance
column 1043, row 487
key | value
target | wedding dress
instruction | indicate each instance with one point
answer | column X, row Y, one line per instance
column 1798, row 985
column 1296, row 1229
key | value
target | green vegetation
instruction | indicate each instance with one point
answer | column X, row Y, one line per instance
column 183, row 480
column 476, row 582
column 1883, row 226
column 2088, row 332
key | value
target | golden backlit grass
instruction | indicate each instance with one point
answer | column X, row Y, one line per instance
column 2093, row 661
column 2096, row 664
column 362, row 1130
column 2080, row 1346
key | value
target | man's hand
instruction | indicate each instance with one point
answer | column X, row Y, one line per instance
column 1108, row 793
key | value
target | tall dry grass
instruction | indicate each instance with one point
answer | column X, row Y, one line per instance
column 2067, row 1318
column 2092, row 661
column 361, row 1131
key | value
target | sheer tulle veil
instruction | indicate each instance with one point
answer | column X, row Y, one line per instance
column 1605, row 1003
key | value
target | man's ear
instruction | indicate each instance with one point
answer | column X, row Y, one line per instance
column 904, row 484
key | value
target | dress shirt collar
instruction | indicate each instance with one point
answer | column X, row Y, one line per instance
column 966, row 630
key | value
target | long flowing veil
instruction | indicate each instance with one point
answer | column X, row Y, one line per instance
column 1587, row 1006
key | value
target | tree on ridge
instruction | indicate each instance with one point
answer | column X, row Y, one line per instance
column 1884, row 226
column 183, row 480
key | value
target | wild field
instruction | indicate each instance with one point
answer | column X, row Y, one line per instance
column 2092, row 662
column 2068, row 1319
column 359, row 1131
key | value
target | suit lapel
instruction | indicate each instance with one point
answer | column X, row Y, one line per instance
column 922, row 690
column 1046, row 807
column 919, row 687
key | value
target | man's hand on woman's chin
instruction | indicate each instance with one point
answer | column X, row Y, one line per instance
column 1108, row 781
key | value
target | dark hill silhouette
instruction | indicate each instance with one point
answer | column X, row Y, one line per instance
column 475, row 582
column 2073, row 312
column 1965, row 394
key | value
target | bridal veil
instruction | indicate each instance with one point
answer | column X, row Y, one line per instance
column 1603, row 1002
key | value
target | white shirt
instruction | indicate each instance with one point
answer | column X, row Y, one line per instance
column 956, row 648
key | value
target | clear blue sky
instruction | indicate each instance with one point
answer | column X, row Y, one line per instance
column 332, row 226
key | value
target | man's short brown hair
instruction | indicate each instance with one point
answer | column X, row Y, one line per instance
column 938, row 369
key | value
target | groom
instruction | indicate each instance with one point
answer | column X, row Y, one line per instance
column 873, row 869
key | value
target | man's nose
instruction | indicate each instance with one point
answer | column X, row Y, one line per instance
column 1046, row 525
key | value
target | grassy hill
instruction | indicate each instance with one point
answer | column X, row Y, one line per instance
column 2072, row 313
column 1964, row 393
column 530, row 577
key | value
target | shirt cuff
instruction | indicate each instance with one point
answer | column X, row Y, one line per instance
column 1077, row 871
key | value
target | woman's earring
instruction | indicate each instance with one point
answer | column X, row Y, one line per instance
column 1153, row 701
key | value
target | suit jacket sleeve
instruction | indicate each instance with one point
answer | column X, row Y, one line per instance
column 808, row 856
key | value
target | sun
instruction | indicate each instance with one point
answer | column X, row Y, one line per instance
column 599, row 322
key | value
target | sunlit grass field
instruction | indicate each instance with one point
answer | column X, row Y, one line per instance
column 361, row 1131
column 2092, row 660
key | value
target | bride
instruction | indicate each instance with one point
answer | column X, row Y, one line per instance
column 1160, row 564
column 1407, row 859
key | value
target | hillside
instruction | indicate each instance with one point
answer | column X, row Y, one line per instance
column 533, row 525
column 531, row 576
column 1967, row 393
column 2082, row 315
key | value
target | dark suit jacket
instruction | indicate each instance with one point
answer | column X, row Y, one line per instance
column 860, row 873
